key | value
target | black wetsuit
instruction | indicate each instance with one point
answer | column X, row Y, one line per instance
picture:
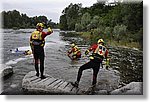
column 95, row 65
column 37, row 42
column 38, row 54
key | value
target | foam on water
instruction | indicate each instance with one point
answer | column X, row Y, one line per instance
column 15, row 61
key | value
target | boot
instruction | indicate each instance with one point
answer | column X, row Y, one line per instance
column 37, row 74
column 43, row 76
column 75, row 84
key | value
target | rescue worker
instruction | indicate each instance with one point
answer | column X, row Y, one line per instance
column 99, row 53
column 37, row 42
column 28, row 52
column 75, row 51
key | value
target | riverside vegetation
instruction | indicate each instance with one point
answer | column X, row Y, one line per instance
column 120, row 24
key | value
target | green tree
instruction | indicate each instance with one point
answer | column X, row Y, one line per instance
column 85, row 20
column 119, row 31
column 78, row 27
column 94, row 22
column 108, row 33
column 72, row 15
column 63, row 22
column 14, row 19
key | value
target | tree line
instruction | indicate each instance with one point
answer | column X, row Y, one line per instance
column 15, row 19
column 122, row 22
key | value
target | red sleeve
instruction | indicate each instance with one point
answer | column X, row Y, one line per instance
column 106, row 54
column 72, row 50
column 93, row 47
column 44, row 34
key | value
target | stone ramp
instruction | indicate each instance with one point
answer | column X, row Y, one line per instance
column 50, row 84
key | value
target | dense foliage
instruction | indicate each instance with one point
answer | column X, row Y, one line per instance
column 13, row 19
column 122, row 22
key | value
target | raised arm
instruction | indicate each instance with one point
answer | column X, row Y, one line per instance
column 50, row 31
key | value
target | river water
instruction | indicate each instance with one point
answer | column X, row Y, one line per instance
column 127, row 63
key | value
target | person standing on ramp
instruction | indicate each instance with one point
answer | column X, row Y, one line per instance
column 37, row 42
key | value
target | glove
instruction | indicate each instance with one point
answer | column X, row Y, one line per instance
column 87, row 52
column 91, row 57
column 107, row 63
column 49, row 29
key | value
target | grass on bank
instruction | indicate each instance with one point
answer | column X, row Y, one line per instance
column 87, row 36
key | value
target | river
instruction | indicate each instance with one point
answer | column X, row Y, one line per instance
column 128, row 62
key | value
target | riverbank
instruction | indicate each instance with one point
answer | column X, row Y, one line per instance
column 93, row 39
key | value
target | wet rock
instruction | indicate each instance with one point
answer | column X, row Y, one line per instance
column 12, row 91
column 5, row 70
column 108, row 80
column 116, row 72
column 101, row 92
column 133, row 88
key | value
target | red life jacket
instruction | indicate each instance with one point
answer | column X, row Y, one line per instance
column 100, row 50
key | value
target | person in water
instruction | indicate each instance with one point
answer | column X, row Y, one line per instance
column 27, row 52
column 75, row 51
column 37, row 42
column 17, row 51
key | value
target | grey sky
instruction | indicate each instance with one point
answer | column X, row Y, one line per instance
column 49, row 8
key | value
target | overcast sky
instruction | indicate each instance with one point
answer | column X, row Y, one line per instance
column 50, row 8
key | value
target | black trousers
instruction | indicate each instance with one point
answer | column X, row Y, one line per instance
column 91, row 64
column 38, row 53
